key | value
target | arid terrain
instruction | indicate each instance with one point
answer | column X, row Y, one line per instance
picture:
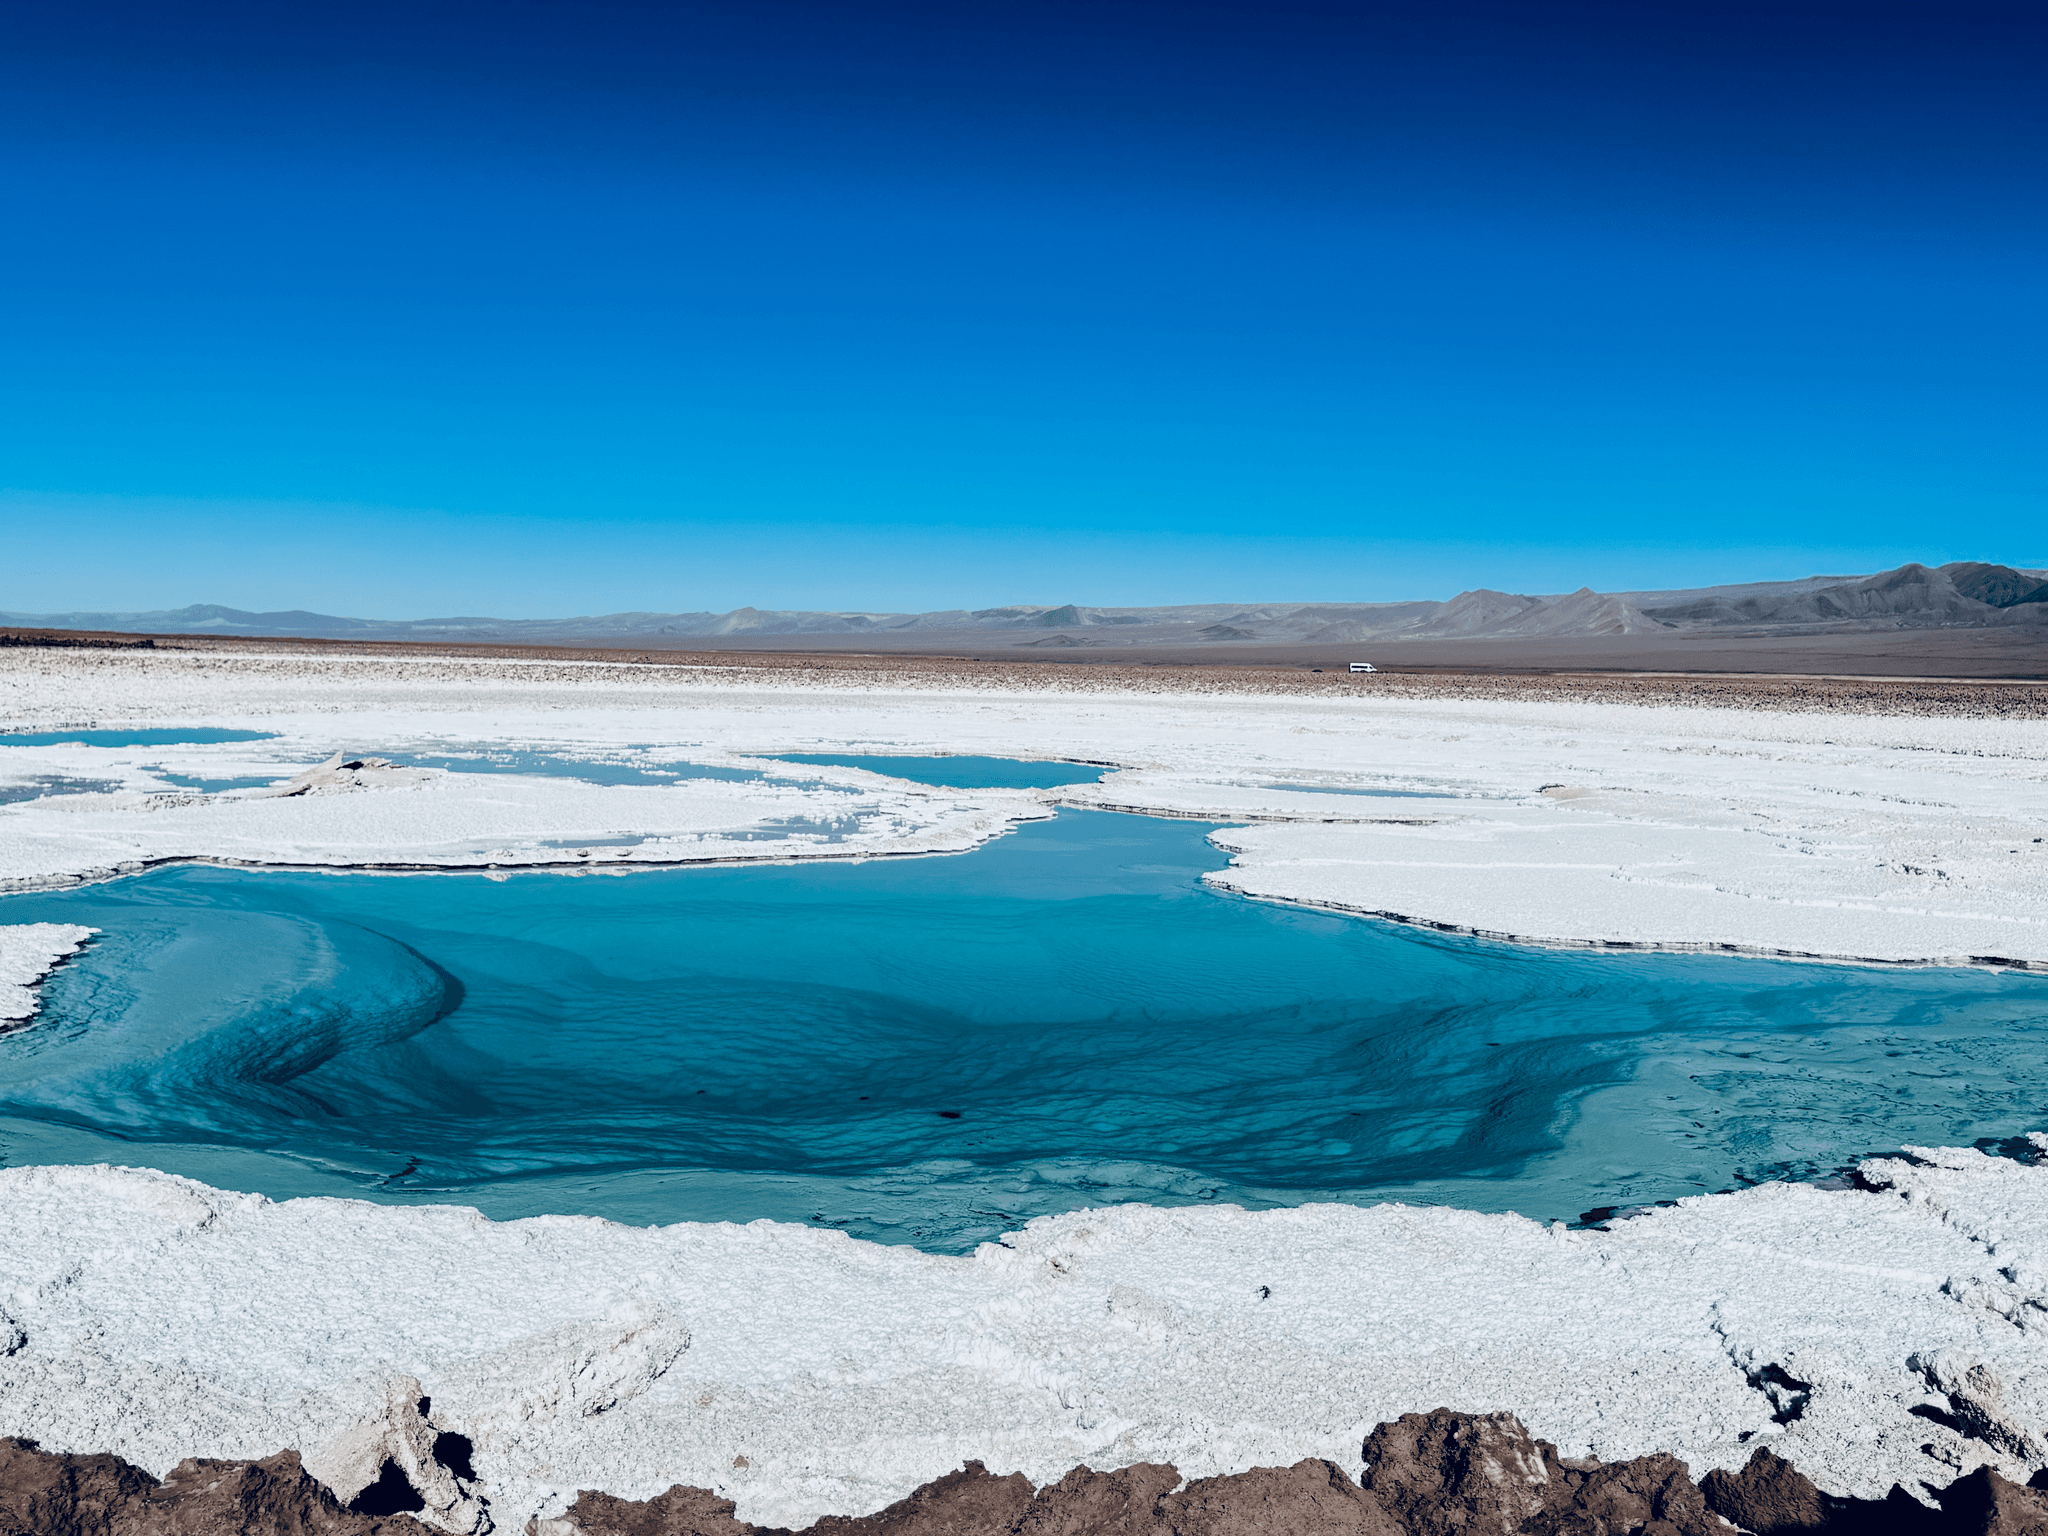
column 1973, row 673
column 1964, row 619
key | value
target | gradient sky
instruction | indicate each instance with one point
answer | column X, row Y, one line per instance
column 535, row 309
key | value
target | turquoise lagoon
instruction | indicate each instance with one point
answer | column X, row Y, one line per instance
column 934, row 1050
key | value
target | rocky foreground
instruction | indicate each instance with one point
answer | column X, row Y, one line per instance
column 1425, row 1474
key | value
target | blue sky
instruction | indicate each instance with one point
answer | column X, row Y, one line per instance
column 533, row 309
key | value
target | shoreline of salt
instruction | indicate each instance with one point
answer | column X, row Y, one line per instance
column 1874, row 1335
column 29, row 952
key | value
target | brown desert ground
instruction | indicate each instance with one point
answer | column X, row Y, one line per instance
column 1961, row 674
column 2012, row 652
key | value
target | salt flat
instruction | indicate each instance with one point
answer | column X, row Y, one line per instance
column 801, row 1372
column 1854, row 836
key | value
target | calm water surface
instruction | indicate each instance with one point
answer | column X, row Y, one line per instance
column 173, row 736
column 955, row 772
column 933, row 1050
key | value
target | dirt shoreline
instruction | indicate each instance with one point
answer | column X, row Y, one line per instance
column 1866, row 692
column 1424, row 1474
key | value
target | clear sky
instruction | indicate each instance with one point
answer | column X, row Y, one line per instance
column 545, row 308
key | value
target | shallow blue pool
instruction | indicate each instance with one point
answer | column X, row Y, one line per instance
column 213, row 786
column 961, row 772
column 175, row 736
column 53, row 784
column 632, row 767
column 932, row 1050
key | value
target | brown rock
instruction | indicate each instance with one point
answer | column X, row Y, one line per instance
column 46, row 1494
column 1086, row 1502
column 970, row 1502
column 1471, row 1473
column 1985, row 1504
column 679, row 1512
column 1428, row 1474
column 1485, row 1475
column 61, row 1494
column 1310, row 1498
column 1651, row 1494
column 1768, row 1496
column 274, row 1496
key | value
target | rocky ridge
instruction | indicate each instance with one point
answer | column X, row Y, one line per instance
column 1425, row 1474
column 1964, row 592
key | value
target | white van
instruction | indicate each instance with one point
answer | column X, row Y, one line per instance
column 1363, row 666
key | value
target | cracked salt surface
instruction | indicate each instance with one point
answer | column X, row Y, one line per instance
column 1892, row 1333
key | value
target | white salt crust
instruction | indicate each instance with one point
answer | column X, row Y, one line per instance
column 28, row 953
column 1859, row 837
column 155, row 1317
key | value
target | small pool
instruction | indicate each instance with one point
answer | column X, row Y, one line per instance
column 215, row 786
column 53, row 784
column 175, row 736
column 590, row 770
column 961, row 772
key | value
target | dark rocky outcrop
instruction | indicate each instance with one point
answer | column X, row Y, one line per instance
column 961, row 1503
column 1771, row 1498
column 1985, row 1504
column 1767, row 1496
column 39, row 1492
column 1425, row 1474
column 44, row 1494
column 679, row 1512
column 1439, row 1473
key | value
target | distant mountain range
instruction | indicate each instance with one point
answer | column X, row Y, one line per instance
column 1967, row 594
